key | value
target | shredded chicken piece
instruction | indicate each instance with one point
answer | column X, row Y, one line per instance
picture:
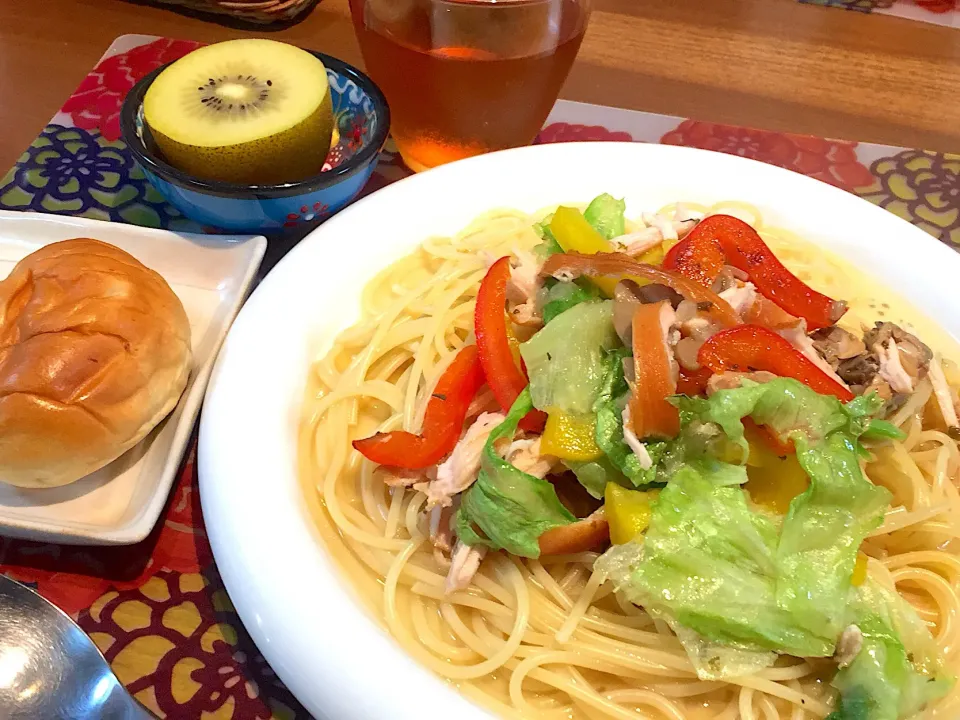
column 441, row 530
column 942, row 392
column 848, row 646
column 526, row 314
column 797, row 336
column 633, row 442
column 483, row 401
column 658, row 228
column 669, row 228
column 522, row 288
column 733, row 380
column 524, row 279
column 891, row 369
column 741, row 298
column 457, row 472
column 464, row 563
column 525, row 455
column 671, row 336
column 639, row 242
column 914, row 355
column 683, row 214
column 892, row 364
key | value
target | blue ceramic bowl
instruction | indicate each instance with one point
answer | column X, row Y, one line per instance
column 363, row 119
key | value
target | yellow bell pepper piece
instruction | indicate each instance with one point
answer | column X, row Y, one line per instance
column 575, row 234
column 774, row 481
column 653, row 256
column 514, row 342
column 627, row 511
column 570, row 437
column 859, row 571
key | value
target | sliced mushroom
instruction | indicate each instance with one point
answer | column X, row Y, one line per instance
column 858, row 372
column 402, row 477
column 914, row 354
column 588, row 534
column 835, row 344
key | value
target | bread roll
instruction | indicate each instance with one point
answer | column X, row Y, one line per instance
column 94, row 353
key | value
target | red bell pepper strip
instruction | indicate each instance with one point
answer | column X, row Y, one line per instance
column 781, row 447
column 693, row 382
column 442, row 421
column 505, row 378
column 747, row 348
column 723, row 238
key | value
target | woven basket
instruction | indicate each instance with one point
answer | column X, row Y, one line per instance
column 253, row 11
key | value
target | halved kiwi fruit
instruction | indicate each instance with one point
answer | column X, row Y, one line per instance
column 245, row 111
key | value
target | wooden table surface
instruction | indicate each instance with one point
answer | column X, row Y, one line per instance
column 768, row 63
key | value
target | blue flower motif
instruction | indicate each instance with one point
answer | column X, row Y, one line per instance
column 71, row 171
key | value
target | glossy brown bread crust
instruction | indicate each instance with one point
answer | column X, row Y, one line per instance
column 94, row 353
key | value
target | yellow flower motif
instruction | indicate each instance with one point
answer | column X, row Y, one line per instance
column 177, row 645
column 923, row 188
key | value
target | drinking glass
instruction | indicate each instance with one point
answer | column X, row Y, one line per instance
column 464, row 77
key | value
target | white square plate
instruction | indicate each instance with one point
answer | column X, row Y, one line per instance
column 120, row 503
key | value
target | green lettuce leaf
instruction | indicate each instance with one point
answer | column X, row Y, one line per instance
column 823, row 530
column 734, row 575
column 564, row 360
column 559, row 297
column 507, row 509
column 712, row 660
column 613, row 396
column 606, row 214
column 882, row 430
column 786, row 406
column 898, row 669
column 709, row 564
column 548, row 244
column 595, row 474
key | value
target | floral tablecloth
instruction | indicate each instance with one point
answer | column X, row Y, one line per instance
column 941, row 12
column 158, row 609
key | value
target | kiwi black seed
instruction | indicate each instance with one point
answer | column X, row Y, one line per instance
column 255, row 93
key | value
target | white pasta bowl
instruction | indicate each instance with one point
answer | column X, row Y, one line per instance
column 303, row 615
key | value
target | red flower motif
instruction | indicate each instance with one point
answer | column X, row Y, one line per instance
column 832, row 161
column 95, row 105
column 307, row 213
column 73, row 577
column 937, row 6
column 568, row 132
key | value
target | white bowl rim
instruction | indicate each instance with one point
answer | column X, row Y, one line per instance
column 300, row 611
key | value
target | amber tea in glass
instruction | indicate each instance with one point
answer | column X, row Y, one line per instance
column 464, row 77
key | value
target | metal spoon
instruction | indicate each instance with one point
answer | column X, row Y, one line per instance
column 50, row 669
